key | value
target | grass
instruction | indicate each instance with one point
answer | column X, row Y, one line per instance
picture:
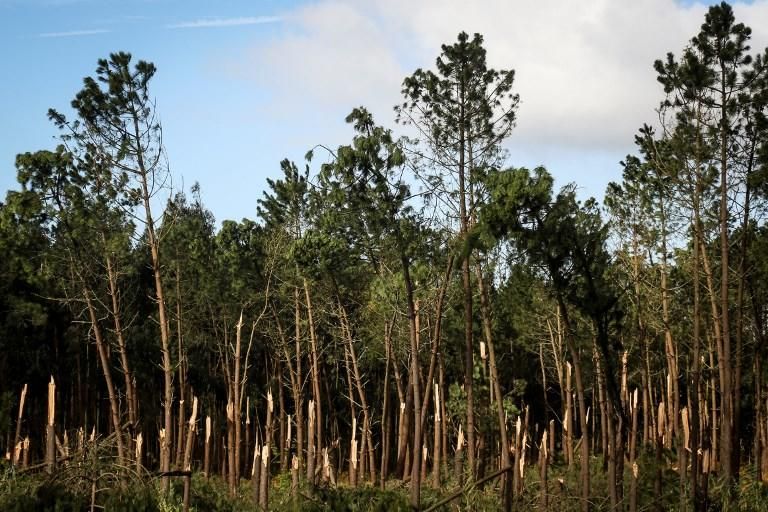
column 71, row 489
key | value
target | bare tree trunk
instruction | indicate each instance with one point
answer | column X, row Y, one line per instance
column 445, row 422
column 315, row 376
column 738, row 356
column 485, row 308
column 50, row 430
column 256, row 471
column 266, row 455
column 584, row 462
column 436, row 440
column 403, row 461
column 568, row 416
column 298, row 395
column 232, row 472
column 386, row 424
column 281, row 421
column 238, row 399
column 718, row 324
column 182, row 377
column 415, row 495
column 130, row 391
column 466, row 286
column 154, row 246
column 673, row 398
column 543, row 462
column 683, row 448
column 633, row 455
column 101, row 348
column 367, row 438
column 658, row 482
column 311, row 456
column 603, row 410
column 696, row 352
column 191, row 431
column 19, row 418
column 724, row 354
column 436, row 336
column 353, row 454
column 458, row 464
column 207, row 452
column 353, row 417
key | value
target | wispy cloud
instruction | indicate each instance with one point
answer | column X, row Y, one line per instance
column 74, row 33
column 226, row 22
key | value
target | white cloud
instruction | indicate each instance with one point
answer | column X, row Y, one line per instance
column 226, row 22
column 330, row 55
column 74, row 33
column 584, row 70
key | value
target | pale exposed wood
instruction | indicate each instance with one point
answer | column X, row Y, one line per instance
column 19, row 419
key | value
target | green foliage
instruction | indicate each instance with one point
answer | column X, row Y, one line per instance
column 213, row 494
column 367, row 246
column 359, row 499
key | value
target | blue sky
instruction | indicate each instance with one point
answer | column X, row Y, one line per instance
column 242, row 84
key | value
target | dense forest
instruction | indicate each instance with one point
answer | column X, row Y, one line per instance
column 411, row 322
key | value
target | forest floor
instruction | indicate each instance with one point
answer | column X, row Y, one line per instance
column 88, row 486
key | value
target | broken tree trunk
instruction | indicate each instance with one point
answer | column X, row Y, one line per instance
column 50, row 432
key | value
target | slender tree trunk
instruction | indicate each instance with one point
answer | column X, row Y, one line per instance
column 353, row 417
column 231, row 472
column 568, row 416
column 724, row 357
column 485, row 308
column 315, row 376
column 584, row 462
column 19, row 418
column 182, row 377
column 673, row 399
column 633, row 454
column 436, row 336
column 403, row 462
column 415, row 495
column 50, row 432
column 266, row 455
column 238, row 399
column 367, row 438
column 436, row 448
column 738, row 356
column 696, row 350
column 467, row 288
column 311, row 455
column 191, row 431
column 207, row 449
column 386, row 423
column 101, row 348
column 444, row 433
column 298, row 395
column 282, row 442
column 154, row 249
column 130, row 392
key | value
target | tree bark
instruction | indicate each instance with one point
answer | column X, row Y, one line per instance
column 101, row 348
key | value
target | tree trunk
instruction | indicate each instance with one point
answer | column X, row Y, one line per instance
column 724, row 355
column 584, row 462
column 367, row 438
column 386, row 423
column 101, row 348
column 130, row 391
column 485, row 308
column 315, row 377
column 415, row 495
column 154, row 249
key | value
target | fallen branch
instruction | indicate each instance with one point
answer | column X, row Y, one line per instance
column 468, row 488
